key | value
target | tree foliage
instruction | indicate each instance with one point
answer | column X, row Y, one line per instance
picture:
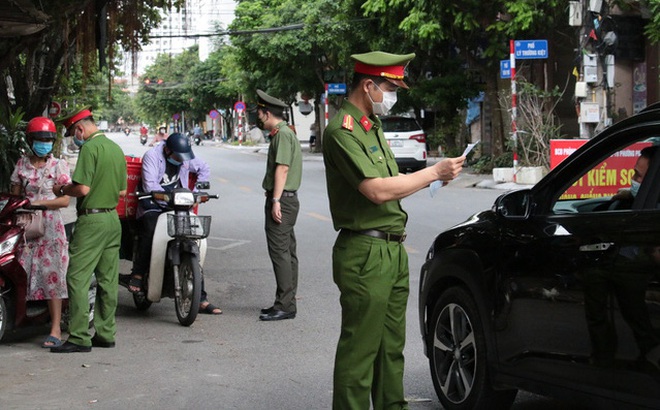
column 78, row 34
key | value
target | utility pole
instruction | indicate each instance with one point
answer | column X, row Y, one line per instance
column 595, row 71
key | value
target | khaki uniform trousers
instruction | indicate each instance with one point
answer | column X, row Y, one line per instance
column 281, row 240
column 372, row 276
column 94, row 250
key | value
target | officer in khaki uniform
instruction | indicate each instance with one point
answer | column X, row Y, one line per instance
column 281, row 183
column 98, row 181
column 370, row 264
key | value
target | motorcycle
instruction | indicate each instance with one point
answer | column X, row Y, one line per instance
column 178, row 252
column 143, row 139
column 127, row 131
column 15, row 310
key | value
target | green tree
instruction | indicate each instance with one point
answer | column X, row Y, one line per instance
column 164, row 85
column 35, row 67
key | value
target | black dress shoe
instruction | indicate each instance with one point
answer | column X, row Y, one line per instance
column 277, row 315
column 96, row 342
column 68, row 347
column 267, row 310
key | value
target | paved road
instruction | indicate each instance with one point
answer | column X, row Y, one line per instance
column 234, row 361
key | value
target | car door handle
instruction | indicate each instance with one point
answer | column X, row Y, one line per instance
column 596, row 247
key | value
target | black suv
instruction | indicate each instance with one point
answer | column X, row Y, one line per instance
column 556, row 289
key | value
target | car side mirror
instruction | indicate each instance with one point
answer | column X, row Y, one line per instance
column 203, row 185
column 514, row 205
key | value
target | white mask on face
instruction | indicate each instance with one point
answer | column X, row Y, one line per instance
column 634, row 187
column 384, row 107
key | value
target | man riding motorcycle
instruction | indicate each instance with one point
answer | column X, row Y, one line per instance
column 164, row 167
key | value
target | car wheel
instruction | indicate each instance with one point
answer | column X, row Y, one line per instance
column 458, row 356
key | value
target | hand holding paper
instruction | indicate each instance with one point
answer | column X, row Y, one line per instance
column 436, row 185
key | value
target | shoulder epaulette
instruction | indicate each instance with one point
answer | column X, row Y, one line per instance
column 348, row 122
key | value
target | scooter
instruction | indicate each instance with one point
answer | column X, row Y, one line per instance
column 178, row 252
column 15, row 310
column 143, row 139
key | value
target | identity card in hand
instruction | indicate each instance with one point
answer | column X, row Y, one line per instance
column 436, row 185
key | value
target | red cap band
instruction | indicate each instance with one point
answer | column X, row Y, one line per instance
column 82, row 114
column 395, row 72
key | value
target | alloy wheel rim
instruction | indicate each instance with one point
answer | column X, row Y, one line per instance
column 454, row 353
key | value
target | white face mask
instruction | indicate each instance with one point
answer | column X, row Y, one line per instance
column 382, row 108
column 634, row 187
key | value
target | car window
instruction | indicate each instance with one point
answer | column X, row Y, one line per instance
column 400, row 125
column 605, row 186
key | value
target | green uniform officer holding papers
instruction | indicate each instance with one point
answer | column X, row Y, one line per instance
column 98, row 181
column 370, row 263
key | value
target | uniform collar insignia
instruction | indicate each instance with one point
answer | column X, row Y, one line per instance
column 366, row 123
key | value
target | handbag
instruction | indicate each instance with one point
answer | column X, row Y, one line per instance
column 35, row 227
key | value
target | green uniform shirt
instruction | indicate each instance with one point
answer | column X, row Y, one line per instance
column 285, row 150
column 354, row 148
column 102, row 167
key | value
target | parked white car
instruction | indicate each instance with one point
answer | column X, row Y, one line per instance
column 407, row 141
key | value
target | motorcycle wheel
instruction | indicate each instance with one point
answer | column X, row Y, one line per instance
column 190, row 280
column 5, row 317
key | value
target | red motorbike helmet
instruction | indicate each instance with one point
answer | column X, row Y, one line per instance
column 41, row 128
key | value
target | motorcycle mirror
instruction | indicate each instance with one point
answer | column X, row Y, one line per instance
column 203, row 185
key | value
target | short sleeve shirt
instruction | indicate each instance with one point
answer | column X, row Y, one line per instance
column 102, row 167
column 354, row 148
column 284, row 149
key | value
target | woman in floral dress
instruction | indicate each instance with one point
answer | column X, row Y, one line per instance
column 45, row 259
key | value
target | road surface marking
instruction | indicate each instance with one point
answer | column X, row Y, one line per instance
column 319, row 216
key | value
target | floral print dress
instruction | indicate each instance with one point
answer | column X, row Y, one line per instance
column 45, row 259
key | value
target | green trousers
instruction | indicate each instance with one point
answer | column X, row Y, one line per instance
column 94, row 250
column 282, row 251
column 372, row 276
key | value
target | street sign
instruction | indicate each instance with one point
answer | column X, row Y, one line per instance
column 214, row 114
column 239, row 106
column 505, row 68
column 336, row 88
column 531, row 49
column 54, row 109
column 176, row 116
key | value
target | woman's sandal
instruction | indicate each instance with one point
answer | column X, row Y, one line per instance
column 209, row 309
column 135, row 285
column 51, row 341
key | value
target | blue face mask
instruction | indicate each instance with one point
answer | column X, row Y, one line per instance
column 41, row 149
column 79, row 143
column 173, row 161
column 634, row 187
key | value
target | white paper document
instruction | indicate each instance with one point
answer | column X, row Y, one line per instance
column 436, row 185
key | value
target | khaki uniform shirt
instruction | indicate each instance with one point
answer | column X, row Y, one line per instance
column 284, row 149
column 354, row 148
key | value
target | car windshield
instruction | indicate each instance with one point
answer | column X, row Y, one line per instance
column 400, row 124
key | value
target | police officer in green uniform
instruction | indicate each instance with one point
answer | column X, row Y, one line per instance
column 370, row 264
column 281, row 183
column 98, row 181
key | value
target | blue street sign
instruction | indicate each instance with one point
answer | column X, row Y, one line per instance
column 530, row 49
column 336, row 88
column 505, row 68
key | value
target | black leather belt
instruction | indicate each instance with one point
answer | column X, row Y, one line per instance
column 89, row 211
column 375, row 233
column 284, row 193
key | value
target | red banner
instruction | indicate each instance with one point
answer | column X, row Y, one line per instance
column 606, row 178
